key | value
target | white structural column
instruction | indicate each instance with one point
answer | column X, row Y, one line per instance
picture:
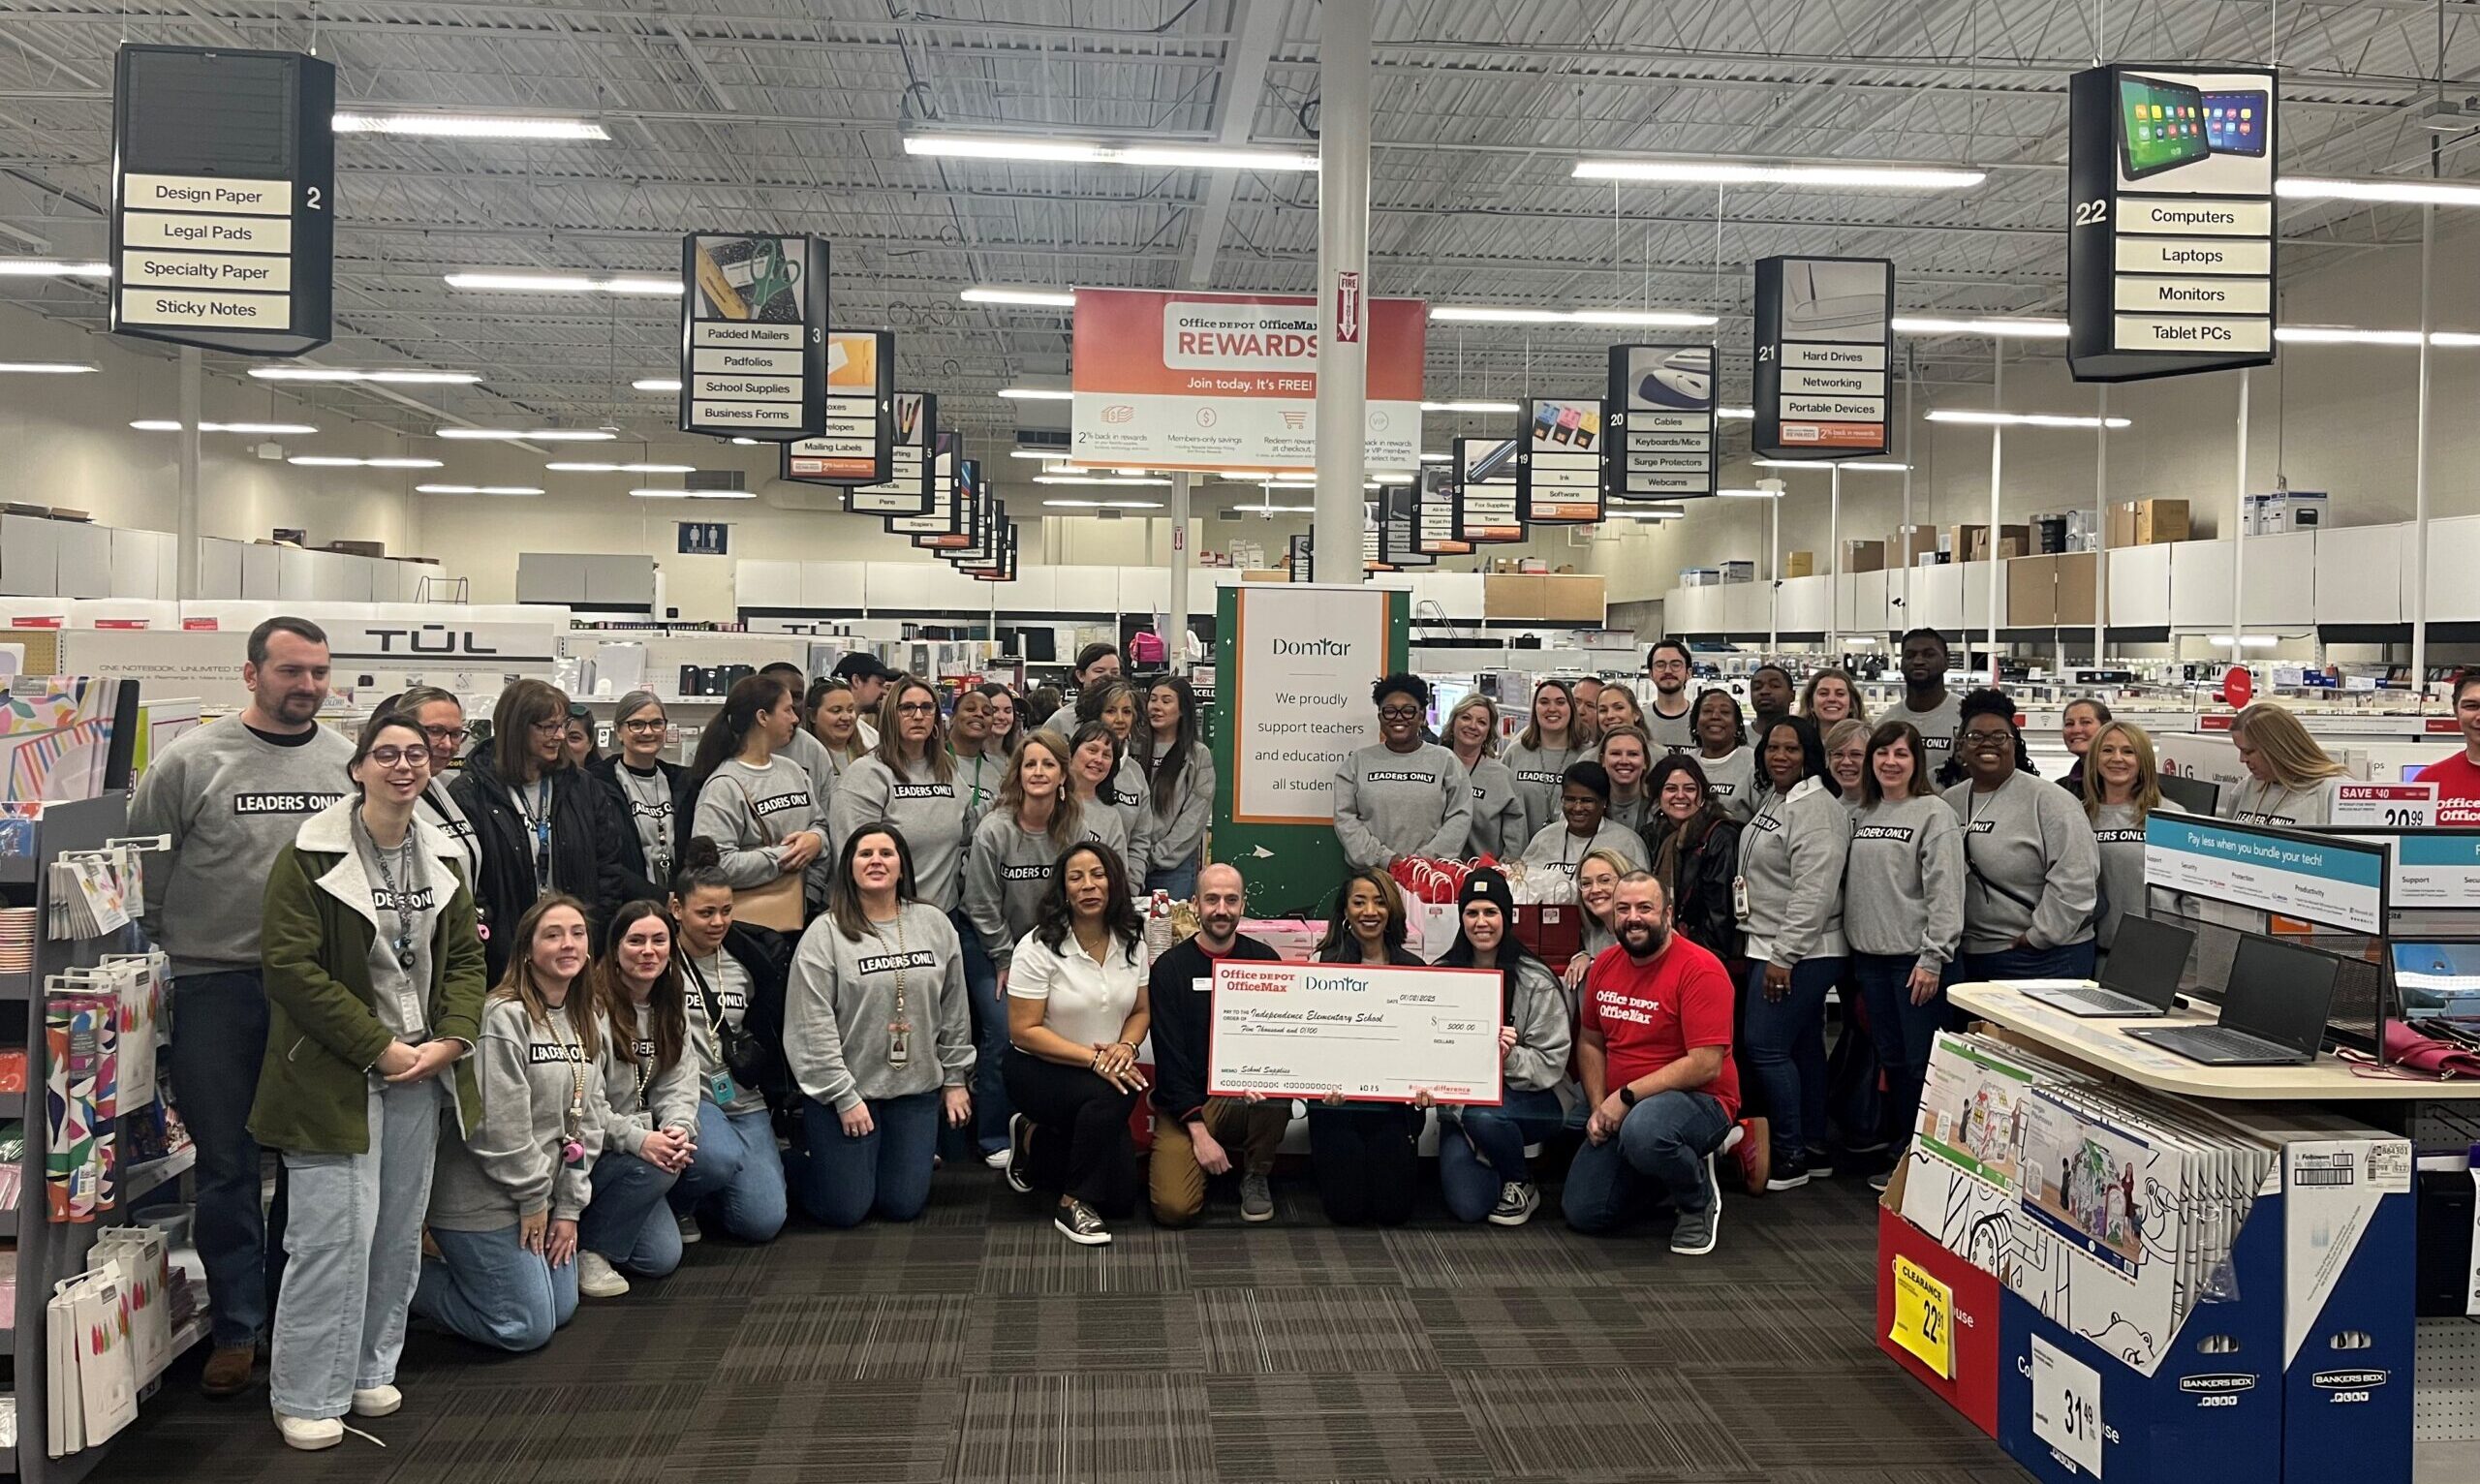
column 1902, row 533
column 1342, row 270
column 185, row 530
column 1182, row 559
column 1996, row 465
column 1834, row 555
column 2101, row 523
column 2420, row 467
column 2239, row 531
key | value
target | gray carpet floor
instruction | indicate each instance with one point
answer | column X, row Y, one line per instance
column 977, row 1344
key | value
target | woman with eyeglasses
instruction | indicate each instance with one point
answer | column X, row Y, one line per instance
column 652, row 792
column 1552, row 739
column 1847, row 759
column 1179, row 789
column 542, row 826
column 650, row 1086
column 1903, row 911
column 910, row 782
column 1401, row 796
column 733, row 977
column 757, row 804
column 1724, row 757
column 1596, row 891
column 1365, row 1156
column 1472, row 735
column 442, row 717
column 374, row 982
column 1791, row 859
column 2032, row 868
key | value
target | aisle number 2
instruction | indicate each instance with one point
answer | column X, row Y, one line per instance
column 1924, row 1318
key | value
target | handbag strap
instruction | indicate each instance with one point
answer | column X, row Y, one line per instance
column 705, row 992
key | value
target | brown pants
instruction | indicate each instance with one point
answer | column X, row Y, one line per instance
column 1174, row 1181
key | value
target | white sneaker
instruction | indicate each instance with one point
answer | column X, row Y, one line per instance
column 597, row 1278
column 997, row 1158
column 377, row 1400
column 310, row 1433
column 689, row 1235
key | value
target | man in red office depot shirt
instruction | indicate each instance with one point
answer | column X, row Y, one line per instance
column 2458, row 778
column 1654, row 1046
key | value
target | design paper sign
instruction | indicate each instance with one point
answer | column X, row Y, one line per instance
column 1824, row 329
column 2337, row 884
column 1229, row 381
column 1660, row 404
column 1557, row 465
column 2171, row 221
column 1485, row 494
column 2066, row 1405
column 1375, row 1034
column 860, row 413
column 906, row 492
column 753, row 337
column 224, row 199
column 1305, row 655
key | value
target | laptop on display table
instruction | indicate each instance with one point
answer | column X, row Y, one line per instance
column 2273, row 1015
column 2140, row 980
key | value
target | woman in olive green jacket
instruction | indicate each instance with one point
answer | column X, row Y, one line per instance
column 374, row 979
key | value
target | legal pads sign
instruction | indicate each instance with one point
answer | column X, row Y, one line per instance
column 1660, row 422
column 224, row 199
column 1229, row 381
column 753, row 335
column 1558, row 463
column 2170, row 229
column 856, row 450
column 1824, row 343
column 1305, row 653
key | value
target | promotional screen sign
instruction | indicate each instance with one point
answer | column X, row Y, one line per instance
column 858, row 445
column 1660, row 422
column 1485, row 501
column 1825, row 341
column 1218, row 381
column 906, row 492
column 224, row 199
column 2170, row 228
column 1558, row 464
column 1433, row 530
column 753, row 337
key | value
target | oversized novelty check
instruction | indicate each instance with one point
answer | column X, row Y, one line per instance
column 1375, row 1035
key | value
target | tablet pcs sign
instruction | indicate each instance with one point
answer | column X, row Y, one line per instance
column 753, row 337
column 1825, row 340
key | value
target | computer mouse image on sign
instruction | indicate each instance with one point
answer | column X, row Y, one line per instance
column 1685, row 379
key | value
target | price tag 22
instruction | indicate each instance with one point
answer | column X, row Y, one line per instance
column 1924, row 1318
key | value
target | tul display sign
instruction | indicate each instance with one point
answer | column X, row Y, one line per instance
column 224, row 197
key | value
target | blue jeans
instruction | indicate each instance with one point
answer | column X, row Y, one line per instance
column 737, row 1167
column 489, row 1289
column 219, row 1037
column 1489, row 1152
column 1657, row 1159
column 1902, row 1031
column 2070, row 961
column 1787, row 1050
column 843, row 1180
column 990, row 1105
column 1180, row 881
column 628, row 1220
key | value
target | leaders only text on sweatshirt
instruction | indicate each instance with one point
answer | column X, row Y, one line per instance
column 1007, row 873
column 1903, row 889
column 639, row 1095
column 2032, row 866
column 927, row 810
column 510, row 1167
column 842, row 1003
column 1791, row 858
column 1390, row 804
column 749, row 812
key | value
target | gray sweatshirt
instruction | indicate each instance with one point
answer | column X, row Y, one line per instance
column 530, row 1075
column 841, row 1006
column 1902, row 887
column 978, row 776
column 1936, row 727
column 2032, row 865
column 1178, row 837
column 1792, row 857
column 229, row 799
column 1732, row 780
column 639, row 1099
column 1129, row 801
column 723, row 977
column 1498, row 814
column 2255, row 803
column 1543, row 1034
column 1008, row 870
column 1673, row 733
column 818, row 762
column 1632, row 814
column 1537, row 771
column 749, row 813
column 1389, row 804
column 2119, row 834
column 1555, row 850
column 927, row 810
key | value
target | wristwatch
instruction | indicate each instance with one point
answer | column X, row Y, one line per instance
column 1628, row 1097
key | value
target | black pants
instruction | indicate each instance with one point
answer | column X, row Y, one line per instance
column 1366, row 1161
column 1080, row 1144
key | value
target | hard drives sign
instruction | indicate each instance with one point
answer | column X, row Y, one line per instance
column 1229, row 381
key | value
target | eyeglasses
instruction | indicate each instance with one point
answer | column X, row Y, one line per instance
column 1398, row 713
column 657, row 725
column 917, row 708
column 1992, row 738
column 398, row 756
column 551, row 728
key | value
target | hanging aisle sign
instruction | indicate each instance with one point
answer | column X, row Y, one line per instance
column 947, row 466
column 1372, row 541
column 1485, row 501
column 2170, row 228
column 1434, row 531
column 972, row 507
column 989, row 545
column 858, row 447
column 753, row 337
column 1661, row 418
column 1825, row 341
column 1297, row 558
column 224, row 199
column 1003, row 567
column 906, row 492
column 1399, row 543
column 1558, row 463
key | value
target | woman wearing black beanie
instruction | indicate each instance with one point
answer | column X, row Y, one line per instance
column 1481, row 1168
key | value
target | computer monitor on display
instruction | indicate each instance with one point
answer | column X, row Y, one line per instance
column 2195, row 795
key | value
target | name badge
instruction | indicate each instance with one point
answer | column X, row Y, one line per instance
column 409, row 1009
column 1202, row 986
column 723, row 1089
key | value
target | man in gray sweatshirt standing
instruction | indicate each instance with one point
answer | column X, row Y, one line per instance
column 229, row 796
column 1402, row 797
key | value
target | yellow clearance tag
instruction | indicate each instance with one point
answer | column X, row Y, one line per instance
column 1924, row 1318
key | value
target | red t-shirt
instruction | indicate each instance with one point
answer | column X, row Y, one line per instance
column 2458, row 783
column 1651, row 1015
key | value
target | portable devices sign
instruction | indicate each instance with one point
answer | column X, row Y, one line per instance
column 1824, row 343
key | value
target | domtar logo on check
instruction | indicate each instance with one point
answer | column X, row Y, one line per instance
column 1334, row 982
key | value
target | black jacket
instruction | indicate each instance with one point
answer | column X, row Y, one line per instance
column 1181, row 1017
column 766, row 955
column 587, row 831
column 606, row 769
column 1700, row 888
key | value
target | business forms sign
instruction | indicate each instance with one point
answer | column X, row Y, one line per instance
column 753, row 337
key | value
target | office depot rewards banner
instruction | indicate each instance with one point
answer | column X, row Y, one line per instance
column 1229, row 381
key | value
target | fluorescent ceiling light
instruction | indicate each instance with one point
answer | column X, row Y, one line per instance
column 477, row 489
column 1055, row 455
column 1122, row 481
column 564, row 283
column 1276, row 509
column 1888, row 177
column 982, row 146
column 1999, row 327
column 2335, row 335
column 1437, row 459
column 1617, row 513
column 340, row 461
column 1470, row 406
column 1000, row 294
column 528, row 435
column 45, row 367
column 1102, row 505
column 469, row 126
column 1040, row 394
column 1986, row 418
column 400, row 378
column 564, row 467
column 1746, row 494
column 747, row 443
column 695, row 494
column 268, row 429
column 1874, row 466
column 1488, row 314
column 1738, row 414
column 52, row 267
column 2410, row 193
column 2246, row 640
column 655, row 384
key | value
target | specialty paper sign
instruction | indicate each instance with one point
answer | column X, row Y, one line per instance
column 1558, row 463
column 860, row 413
column 1229, row 381
column 1825, row 341
column 1660, row 404
column 1485, row 493
column 753, row 337
column 224, row 199
column 1375, row 1035
column 1305, row 655
column 906, row 492
column 2334, row 884
column 2171, row 234
column 1434, row 531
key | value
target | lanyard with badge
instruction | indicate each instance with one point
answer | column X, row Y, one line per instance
column 409, row 1000
column 720, row 1086
column 900, row 1029
column 572, row 1126
column 538, row 821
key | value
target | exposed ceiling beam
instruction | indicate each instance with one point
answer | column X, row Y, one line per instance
column 1235, row 103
